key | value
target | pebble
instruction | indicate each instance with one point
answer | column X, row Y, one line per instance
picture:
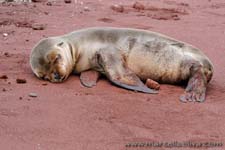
column 21, row 81
column 33, row 94
column 49, row 3
column 36, row 1
column 86, row 8
column 138, row 6
column 44, row 84
column 37, row 26
column 3, row 77
column 5, row 34
column 6, row 54
column 67, row 1
column 152, row 84
column 117, row 8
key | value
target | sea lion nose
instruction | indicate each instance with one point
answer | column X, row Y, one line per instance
column 57, row 76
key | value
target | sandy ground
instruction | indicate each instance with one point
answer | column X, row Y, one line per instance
column 69, row 116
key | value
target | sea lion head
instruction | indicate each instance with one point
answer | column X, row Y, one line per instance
column 51, row 60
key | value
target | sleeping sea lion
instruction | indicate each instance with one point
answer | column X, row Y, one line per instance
column 126, row 57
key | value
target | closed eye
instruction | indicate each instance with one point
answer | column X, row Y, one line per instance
column 41, row 76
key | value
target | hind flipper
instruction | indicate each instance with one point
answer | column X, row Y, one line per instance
column 196, row 88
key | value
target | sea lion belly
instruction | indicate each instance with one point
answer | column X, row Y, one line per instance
column 158, row 60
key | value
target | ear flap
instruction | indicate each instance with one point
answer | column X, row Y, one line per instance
column 53, row 57
column 60, row 44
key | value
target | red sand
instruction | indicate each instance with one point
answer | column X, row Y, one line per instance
column 69, row 116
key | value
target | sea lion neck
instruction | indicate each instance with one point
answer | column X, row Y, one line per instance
column 74, row 52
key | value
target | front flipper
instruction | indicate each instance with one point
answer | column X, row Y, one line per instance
column 113, row 65
column 89, row 78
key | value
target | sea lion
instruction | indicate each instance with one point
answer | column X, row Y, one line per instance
column 125, row 56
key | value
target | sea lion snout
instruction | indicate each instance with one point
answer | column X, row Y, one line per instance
column 57, row 76
column 55, row 73
column 59, row 69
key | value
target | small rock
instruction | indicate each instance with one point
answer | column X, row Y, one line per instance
column 138, row 6
column 20, row 98
column 86, row 8
column 6, row 54
column 36, row 1
column 44, row 84
column 108, row 20
column 3, row 77
column 33, row 94
column 37, row 26
column 21, row 81
column 8, row 0
column 117, row 8
column 49, row 3
column 152, row 84
column 67, row 1
column 175, row 17
column 184, row 4
column 9, row 82
column 148, row 99
column 5, row 34
column 3, row 89
column 23, row 24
